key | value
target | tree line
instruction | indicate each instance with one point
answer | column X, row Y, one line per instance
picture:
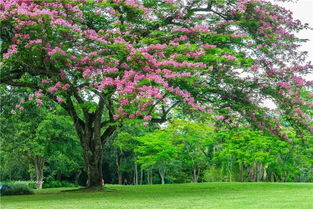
column 40, row 144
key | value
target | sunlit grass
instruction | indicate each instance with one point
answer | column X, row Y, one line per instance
column 202, row 195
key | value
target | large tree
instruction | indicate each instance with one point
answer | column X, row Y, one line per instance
column 106, row 61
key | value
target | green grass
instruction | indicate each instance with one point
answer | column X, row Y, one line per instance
column 204, row 195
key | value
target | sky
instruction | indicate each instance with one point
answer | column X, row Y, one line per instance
column 302, row 10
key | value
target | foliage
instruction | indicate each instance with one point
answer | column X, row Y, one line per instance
column 56, row 184
column 213, row 175
column 17, row 189
column 39, row 136
column 106, row 62
column 198, row 151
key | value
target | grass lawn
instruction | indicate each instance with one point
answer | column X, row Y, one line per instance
column 202, row 195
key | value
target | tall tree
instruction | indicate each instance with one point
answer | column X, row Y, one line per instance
column 37, row 135
column 108, row 61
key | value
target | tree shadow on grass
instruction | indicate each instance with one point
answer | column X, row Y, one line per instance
column 91, row 190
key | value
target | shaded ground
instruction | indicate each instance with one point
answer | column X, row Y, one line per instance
column 202, row 195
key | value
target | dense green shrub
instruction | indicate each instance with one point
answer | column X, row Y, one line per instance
column 213, row 175
column 17, row 189
column 55, row 184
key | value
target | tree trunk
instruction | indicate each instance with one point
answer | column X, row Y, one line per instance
column 77, row 177
column 162, row 175
column 119, row 173
column 59, row 176
column 93, row 163
column 92, row 147
column 241, row 172
column 196, row 174
column 141, row 176
column 136, row 174
column 39, row 164
column 120, row 177
column 148, row 177
column 151, row 177
column 92, row 135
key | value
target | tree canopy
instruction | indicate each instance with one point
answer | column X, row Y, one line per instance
column 109, row 61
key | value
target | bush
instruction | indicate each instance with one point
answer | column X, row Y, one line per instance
column 55, row 184
column 213, row 175
column 32, row 185
column 16, row 189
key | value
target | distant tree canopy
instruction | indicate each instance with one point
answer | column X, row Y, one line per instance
column 35, row 138
column 106, row 62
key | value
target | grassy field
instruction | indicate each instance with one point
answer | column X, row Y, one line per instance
column 202, row 195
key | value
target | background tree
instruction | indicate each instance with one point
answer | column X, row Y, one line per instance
column 157, row 152
column 39, row 136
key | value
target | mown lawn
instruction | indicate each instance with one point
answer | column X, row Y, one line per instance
column 202, row 195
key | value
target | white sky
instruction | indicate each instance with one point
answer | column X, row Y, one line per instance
column 303, row 10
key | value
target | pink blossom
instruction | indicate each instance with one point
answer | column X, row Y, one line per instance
column 124, row 101
column 219, row 117
column 254, row 67
column 56, row 50
column 285, row 85
column 39, row 102
column 229, row 57
column 147, row 118
column 45, row 81
column 52, row 89
column 208, row 46
column 37, row 41
column 59, row 99
column 12, row 50
column 38, row 93
column 58, row 85
column 66, row 86
column 116, row 116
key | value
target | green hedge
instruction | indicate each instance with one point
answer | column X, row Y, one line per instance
column 55, row 184
column 16, row 189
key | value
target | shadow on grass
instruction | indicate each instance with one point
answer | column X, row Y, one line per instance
column 90, row 190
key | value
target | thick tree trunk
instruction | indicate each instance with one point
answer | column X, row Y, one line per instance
column 92, row 135
column 39, row 164
column 93, row 162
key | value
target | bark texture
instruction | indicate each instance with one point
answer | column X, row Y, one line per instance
column 39, row 164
